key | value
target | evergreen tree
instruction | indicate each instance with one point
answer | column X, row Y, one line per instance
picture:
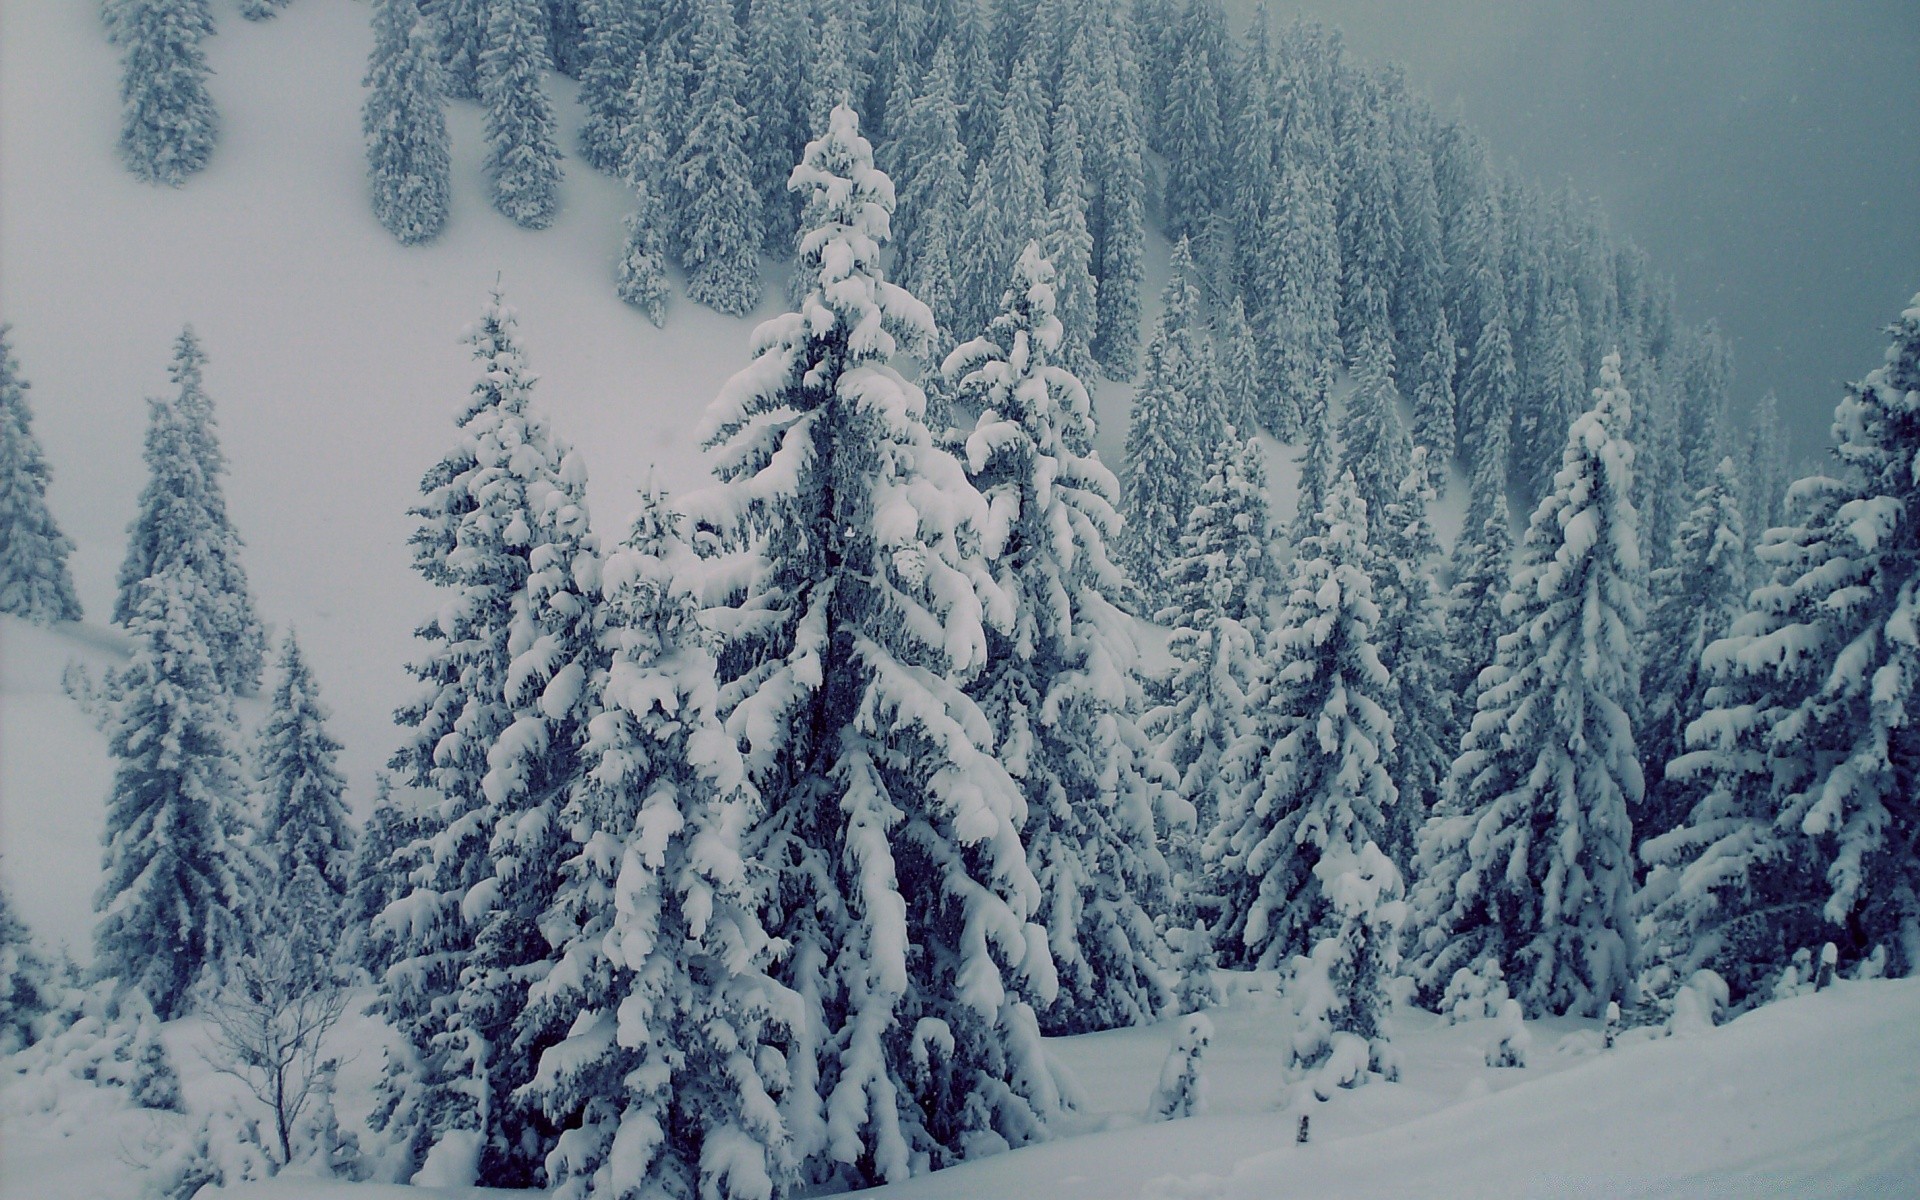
column 405, row 124
column 523, row 150
column 642, row 274
column 1069, row 246
column 460, row 32
column 1317, row 460
column 182, row 520
column 1482, row 568
column 1298, row 331
column 1412, row 642
column 177, row 875
column 1767, row 475
column 1486, row 392
column 1807, row 750
column 1373, row 443
column 31, row 988
column 714, row 202
column 1193, row 130
column 853, row 627
column 1369, row 230
column 167, row 121
column 1239, row 368
column 495, row 731
column 308, row 835
column 1315, row 760
column 659, row 985
column 1217, row 608
column 779, row 40
column 1102, row 86
column 613, row 43
column 1527, row 861
column 1552, row 394
column 1178, row 415
column 1060, row 690
column 933, row 194
column 1007, row 204
column 1696, row 597
column 34, row 580
column 384, row 856
column 1433, row 402
column 261, row 10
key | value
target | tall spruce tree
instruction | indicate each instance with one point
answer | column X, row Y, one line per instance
column 1433, row 401
column 523, row 148
column 384, row 855
column 933, row 192
column 1298, row 330
column 660, row 984
column 1102, row 86
column 183, row 519
column 1194, row 129
column 178, row 877
column 642, row 274
column 1007, row 202
column 613, row 42
column 1069, row 246
column 167, row 120
column 1807, row 752
column 779, row 39
column 1178, row 416
column 903, row 889
column 460, row 32
column 1527, row 861
column 1482, row 566
column 716, row 209
column 405, row 124
column 307, row 835
column 1315, row 760
column 495, row 732
column 1412, row 641
column 1060, row 689
column 34, row 580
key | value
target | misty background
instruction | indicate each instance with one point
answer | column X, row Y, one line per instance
column 1766, row 153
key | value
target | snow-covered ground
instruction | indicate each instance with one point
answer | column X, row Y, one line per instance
column 1817, row 1096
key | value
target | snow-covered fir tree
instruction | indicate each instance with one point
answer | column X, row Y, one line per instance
column 1319, row 460
column 183, row 519
column 713, row 201
column 1373, row 442
column 1433, row 400
column 405, row 123
column 1807, row 752
column 1193, row 127
column 779, row 41
column 1482, row 568
column 1527, row 860
column 167, row 120
column 613, row 42
column 1314, row 761
column 1217, row 608
column 460, row 33
column 854, row 617
column 1069, row 246
column 523, row 147
column 177, row 875
column 1102, row 86
column 1766, row 474
column 494, row 731
column 1338, row 991
column 1060, row 689
column 660, row 985
column 34, row 580
column 642, row 274
column 1178, row 416
column 31, row 983
column 1241, row 387
column 1696, row 597
column 933, row 192
column 1298, row 332
column 1007, row 201
column 1369, row 230
column 306, row 832
column 1555, row 381
column 261, row 10
column 385, row 853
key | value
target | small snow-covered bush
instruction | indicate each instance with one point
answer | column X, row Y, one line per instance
column 226, row 1148
column 1182, row 1090
column 1699, row 1005
column 1511, row 1041
column 1474, row 993
column 109, row 1040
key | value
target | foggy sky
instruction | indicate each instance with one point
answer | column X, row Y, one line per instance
column 1766, row 153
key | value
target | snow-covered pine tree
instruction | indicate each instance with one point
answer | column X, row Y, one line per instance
column 1314, row 761
column 1528, row 859
column 1193, row 129
column 779, row 39
column 1486, row 393
column 1182, row 1087
column 714, row 204
column 1239, row 358
column 384, row 855
column 167, row 121
column 660, row 985
column 460, row 33
column 1808, row 752
column 1102, row 87
column 1696, row 597
column 34, row 580
column 1373, row 442
column 523, row 147
column 1482, row 568
column 1217, row 607
column 1433, row 401
column 1369, row 230
column 1763, row 502
column 1069, row 247
column 183, row 519
column 1178, row 416
column 1007, row 202
column 613, row 44
column 853, row 618
column 30, row 983
column 1060, row 689
column 405, row 124
column 1338, row 991
column 1554, row 383
column 642, row 274
column 495, row 731
column 1319, row 459
column 261, row 10
column 177, row 874
column 933, row 193
column 307, row 833
column 1412, row 641
column 1299, row 332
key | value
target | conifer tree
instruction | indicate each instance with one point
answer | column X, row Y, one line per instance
column 495, row 731
column 1369, row 230
column 1217, row 609
column 1069, row 246
column 177, row 875
column 659, row 986
column 1486, row 393
column 460, row 32
column 261, row 10
column 613, row 42
column 405, row 124
column 854, row 624
column 1433, row 400
column 779, row 41
column 714, row 203
column 1178, row 414
column 167, row 120
column 523, row 149
column 34, row 580
column 1556, row 381
column 1318, row 460
column 1007, row 203
column 1299, row 332
column 384, row 856
column 1193, row 130
column 933, row 193
column 307, row 833
column 1527, row 861
column 30, row 983
column 1806, row 752
column 642, row 274
column 1102, row 87
column 1315, row 760
column 183, row 519
column 1060, row 690
column 1763, row 502
column 1412, row 642
column 1239, row 359
column 1482, row 569
column 1373, row 443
